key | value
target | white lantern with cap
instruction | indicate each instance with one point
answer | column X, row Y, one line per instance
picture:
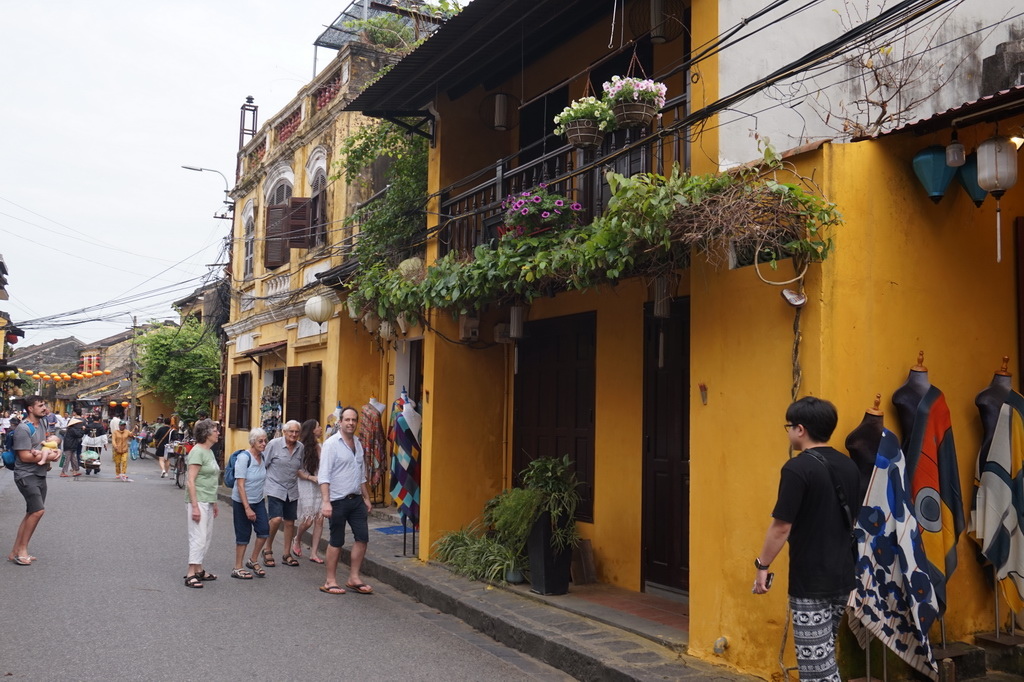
column 997, row 172
column 319, row 309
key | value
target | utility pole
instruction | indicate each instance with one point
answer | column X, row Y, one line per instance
column 132, row 371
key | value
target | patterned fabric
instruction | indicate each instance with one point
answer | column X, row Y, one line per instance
column 934, row 484
column 815, row 626
column 371, row 433
column 894, row 599
column 998, row 509
column 405, row 459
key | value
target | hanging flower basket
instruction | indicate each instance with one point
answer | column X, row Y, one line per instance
column 584, row 134
column 634, row 114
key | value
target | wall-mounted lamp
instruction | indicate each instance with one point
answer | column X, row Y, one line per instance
column 997, row 172
column 956, row 155
column 932, row 171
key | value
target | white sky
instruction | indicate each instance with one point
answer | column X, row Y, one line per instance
column 101, row 103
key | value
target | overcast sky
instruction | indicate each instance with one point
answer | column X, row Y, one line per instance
column 102, row 103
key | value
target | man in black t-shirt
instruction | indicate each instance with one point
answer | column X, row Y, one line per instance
column 819, row 498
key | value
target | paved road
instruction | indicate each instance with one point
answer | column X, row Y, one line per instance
column 106, row 601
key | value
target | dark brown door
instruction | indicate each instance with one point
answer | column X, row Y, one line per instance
column 554, row 401
column 666, row 505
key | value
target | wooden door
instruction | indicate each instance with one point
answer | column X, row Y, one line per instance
column 666, row 504
column 554, row 398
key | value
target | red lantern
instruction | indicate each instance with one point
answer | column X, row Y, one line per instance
column 11, row 337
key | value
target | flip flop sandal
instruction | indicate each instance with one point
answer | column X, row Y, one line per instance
column 255, row 568
column 360, row 588
column 316, row 560
column 289, row 561
column 193, row 581
column 21, row 560
column 332, row 589
column 296, row 549
column 268, row 559
column 241, row 574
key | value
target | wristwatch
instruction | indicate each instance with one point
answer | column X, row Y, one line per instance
column 759, row 566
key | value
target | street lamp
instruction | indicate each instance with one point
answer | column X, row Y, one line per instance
column 227, row 196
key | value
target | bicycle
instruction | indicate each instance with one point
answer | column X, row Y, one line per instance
column 180, row 464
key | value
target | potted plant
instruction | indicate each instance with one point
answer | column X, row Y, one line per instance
column 634, row 101
column 585, row 121
column 553, row 535
column 537, row 210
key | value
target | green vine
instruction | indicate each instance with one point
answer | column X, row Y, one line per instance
column 650, row 227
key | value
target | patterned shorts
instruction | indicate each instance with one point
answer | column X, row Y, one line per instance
column 815, row 626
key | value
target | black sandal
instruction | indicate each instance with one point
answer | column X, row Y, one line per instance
column 204, row 576
column 193, row 581
column 289, row 561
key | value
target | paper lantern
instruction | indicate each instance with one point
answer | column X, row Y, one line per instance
column 113, row 403
column 46, row 378
column 997, row 172
column 932, row 171
column 968, row 176
column 319, row 309
column 12, row 338
column 125, row 403
column 76, row 375
column 88, row 375
column 106, row 371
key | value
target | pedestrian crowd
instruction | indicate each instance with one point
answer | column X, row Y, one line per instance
column 288, row 484
column 276, row 483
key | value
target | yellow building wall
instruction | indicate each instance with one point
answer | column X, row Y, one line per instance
column 906, row 275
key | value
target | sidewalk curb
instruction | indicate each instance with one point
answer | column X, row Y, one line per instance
column 580, row 646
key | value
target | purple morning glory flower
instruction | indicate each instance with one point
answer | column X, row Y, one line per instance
column 545, row 214
column 543, row 185
column 518, row 204
column 525, row 194
column 525, row 211
column 559, row 202
column 537, row 200
column 577, row 206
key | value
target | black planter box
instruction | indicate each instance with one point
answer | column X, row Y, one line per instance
column 549, row 569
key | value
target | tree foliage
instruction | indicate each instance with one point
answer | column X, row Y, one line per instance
column 182, row 365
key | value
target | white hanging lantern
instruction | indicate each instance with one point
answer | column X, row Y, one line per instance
column 353, row 309
column 517, row 315
column 319, row 309
column 662, row 300
column 371, row 321
column 997, row 172
column 403, row 324
column 956, row 154
column 387, row 330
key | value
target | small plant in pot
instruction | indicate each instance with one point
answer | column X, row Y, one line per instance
column 585, row 121
column 553, row 535
column 537, row 210
column 634, row 101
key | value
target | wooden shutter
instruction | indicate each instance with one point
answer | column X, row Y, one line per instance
column 275, row 247
column 314, row 375
column 245, row 400
column 233, row 402
column 298, row 224
column 295, row 394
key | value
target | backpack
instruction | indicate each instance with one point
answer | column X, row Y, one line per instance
column 229, row 470
column 9, row 458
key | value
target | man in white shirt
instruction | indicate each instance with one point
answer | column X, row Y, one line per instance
column 342, row 478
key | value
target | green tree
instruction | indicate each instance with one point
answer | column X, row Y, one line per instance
column 182, row 364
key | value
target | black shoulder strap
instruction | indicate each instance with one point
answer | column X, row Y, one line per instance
column 840, row 493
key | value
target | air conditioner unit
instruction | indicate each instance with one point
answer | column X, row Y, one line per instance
column 469, row 328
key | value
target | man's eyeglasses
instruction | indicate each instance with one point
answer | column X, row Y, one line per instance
column 790, row 426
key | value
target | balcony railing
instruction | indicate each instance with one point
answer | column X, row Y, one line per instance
column 470, row 217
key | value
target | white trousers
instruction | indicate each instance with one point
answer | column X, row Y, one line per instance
column 200, row 535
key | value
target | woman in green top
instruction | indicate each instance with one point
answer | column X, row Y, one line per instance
column 203, row 474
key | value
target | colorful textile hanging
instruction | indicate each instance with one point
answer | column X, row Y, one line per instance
column 405, row 459
column 934, row 482
column 998, row 507
column 371, row 434
column 894, row 599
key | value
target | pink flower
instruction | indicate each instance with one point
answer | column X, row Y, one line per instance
column 545, row 214
column 577, row 206
column 537, row 200
column 525, row 211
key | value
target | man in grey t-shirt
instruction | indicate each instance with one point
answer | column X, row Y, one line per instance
column 283, row 457
column 30, row 474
